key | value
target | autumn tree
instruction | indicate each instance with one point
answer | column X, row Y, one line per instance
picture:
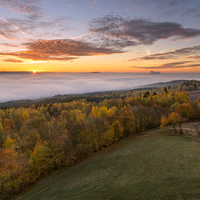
column 173, row 120
column 1, row 135
column 127, row 120
column 118, row 130
column 185, row 110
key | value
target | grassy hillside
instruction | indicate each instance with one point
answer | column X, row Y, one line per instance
column 153, row 166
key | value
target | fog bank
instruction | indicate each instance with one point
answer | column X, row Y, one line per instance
column 16, row 86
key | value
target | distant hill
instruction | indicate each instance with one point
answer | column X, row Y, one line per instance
column 154, row 72
column 164, row 84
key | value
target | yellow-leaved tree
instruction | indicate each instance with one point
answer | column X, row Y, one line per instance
column 173, row 120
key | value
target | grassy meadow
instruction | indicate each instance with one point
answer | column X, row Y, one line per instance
column 155, row 165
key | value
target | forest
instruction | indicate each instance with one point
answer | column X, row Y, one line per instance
column 38, row 139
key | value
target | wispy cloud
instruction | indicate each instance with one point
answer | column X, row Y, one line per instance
column 34, row 21
column 189, row 52
column 82, row 4
column 178, row 9
column 148, row 51
column 12, row 25
column 7, row 30
column 34, row 28
column 22, row 6
column 173, row 65
column 12, row 60
column 8, row 45
column 72, row 5
column 92, row 1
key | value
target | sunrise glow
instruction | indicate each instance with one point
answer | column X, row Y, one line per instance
column 78, row 76
column 80, row 37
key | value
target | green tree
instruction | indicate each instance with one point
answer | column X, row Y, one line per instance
column 146, row 94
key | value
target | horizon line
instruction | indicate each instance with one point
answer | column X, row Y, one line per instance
column 94, row 72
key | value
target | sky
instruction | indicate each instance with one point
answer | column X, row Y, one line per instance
column 136, row 36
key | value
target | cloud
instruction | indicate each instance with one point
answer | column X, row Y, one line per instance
column 12, row 60
column 33, row 86
column 175, row 9
column 104, row 41
column 69, row 47
column 137, row 53
column 189, row 52
column 148, row 51
column 59, row 50
column 11, row 25
column 36, row 56
column 22, row 6
column 7, row 31
column 129, row 9
column 14, row 29
column 83, row 3
column 33, row 21
column 173, row 65
column 139, row 31
column 8, row 45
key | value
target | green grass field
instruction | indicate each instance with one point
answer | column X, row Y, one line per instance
column 155, row 167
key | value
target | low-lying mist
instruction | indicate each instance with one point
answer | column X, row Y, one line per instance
column 15, row 86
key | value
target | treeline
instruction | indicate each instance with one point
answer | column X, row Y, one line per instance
column 35, row 141
column 188, row 86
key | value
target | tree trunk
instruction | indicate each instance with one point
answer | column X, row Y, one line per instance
column 174, row 127
column 181, row 131
column 198, row 129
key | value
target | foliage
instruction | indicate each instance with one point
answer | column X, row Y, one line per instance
column 38, row 139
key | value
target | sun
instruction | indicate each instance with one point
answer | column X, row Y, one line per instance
column 36, row 71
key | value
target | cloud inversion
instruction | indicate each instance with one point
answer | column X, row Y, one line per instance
column 34, row 86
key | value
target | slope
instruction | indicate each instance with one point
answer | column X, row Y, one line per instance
column 153, row 167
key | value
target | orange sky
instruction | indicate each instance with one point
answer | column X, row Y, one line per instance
column 104, row 36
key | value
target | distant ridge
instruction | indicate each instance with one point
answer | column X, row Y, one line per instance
column 153, row 72
column 163, row 84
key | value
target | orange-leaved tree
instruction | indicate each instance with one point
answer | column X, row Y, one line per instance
column 173, row 120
